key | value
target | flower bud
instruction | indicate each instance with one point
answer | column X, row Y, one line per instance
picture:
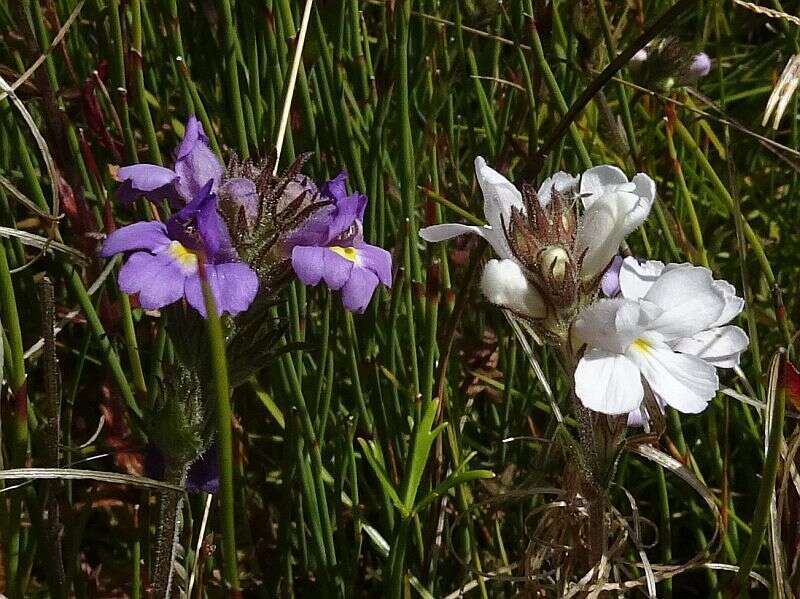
column 504, row 284
column 554, row 260
column 701, row 65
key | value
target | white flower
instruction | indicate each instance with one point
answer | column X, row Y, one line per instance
column 613, row 207
column 668, row 326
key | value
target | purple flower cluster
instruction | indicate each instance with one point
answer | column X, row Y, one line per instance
column 330, row 247
column 165, row 259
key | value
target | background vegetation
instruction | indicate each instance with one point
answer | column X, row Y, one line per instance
column 331, row 494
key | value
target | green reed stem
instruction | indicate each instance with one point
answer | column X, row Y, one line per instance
column 232, row 78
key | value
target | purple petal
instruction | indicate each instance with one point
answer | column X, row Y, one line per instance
column 195, row 163
column 233, row 285
column 307, row 262
column 192, row 135
column 348, row 218
column 359, row 289
column 212, row 231
column 376, row 259
column 335, row 269
column 314, row 231
column 149, row 180
column 610, row 281
column 238, row 285
column 242, row 192
column 701, row 65
column 203, row 474
column 335, row 189
column 158, row 279
column 150, row 235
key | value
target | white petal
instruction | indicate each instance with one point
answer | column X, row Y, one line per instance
column 602, row 229
column 561, row 181
column 599, row 180
column 499, row 196
column 610, row 324
column 504, row 284
column 733, row 303
column 635, row 279
column 646, row 192
column 689, row 298
column 685, row 382
column 608, row 382
column 720, row 346
column 449, row 230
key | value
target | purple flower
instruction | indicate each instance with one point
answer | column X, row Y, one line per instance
column 195, row 165
column 610, row 281
column 701, row 65
column 330, row 246
column 203, row 474
column 164, row 261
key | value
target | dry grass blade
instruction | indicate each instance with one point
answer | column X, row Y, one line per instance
column 43, row 243
column 769, row 12
column 783, row 92
column 74, row 474
column 40, row 143
column 38, row 62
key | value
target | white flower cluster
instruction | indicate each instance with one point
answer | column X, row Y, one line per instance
column 667, row 325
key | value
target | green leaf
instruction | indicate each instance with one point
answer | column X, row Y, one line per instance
column 375, row 459
column 451, row 481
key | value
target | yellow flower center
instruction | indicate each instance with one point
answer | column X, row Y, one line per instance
column 348, row 253
column 186, row 258
column 642, row 345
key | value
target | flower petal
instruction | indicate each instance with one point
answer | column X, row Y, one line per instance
column 499, row 197
column 358, row 289
column 608, row 382
column 242, row 192
column 146, row 177
column 193, row 134
column 635, row 278
column 685, row 382
column 690, row 301
column 335, row 269
column 145, row 235
column 158, row 279
column 234, row 286
column 610, row 281
column 561, row 181
column 611, row 324
column 377, row 260
column 307, row 262
column 599, row 180
column 719, row 346
column 497, row 239
column 602, row 229
column 646, row 193
column 149, row 180
column 237, row 284
column 197, row 168
column 733, row 303
column 504, row 284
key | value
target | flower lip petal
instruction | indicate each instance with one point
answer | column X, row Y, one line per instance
column 358, row 289
column 599, row 180
column 608, row 382
column 376, row 260
column 685, row 382
column 157, row 278
column 720, row 346
column 601, row 230
column 307, row 263
column 336, row 269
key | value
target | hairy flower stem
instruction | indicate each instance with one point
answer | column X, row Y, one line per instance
column 168, row 530
column 592, row 487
